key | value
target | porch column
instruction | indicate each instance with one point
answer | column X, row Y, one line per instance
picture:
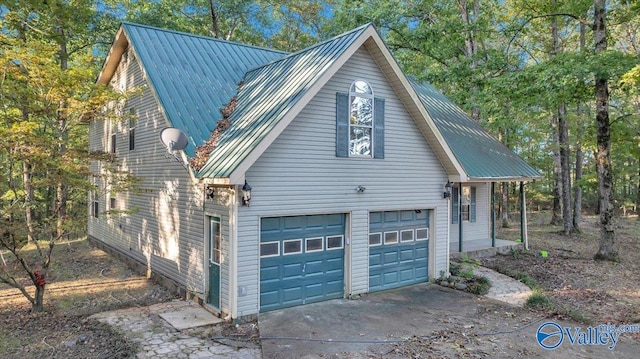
column 493, row 214
column 460, row 218
column 523, row 217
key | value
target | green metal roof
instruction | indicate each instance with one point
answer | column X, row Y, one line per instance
column 480, row 154
column 267, row 95
column 193, row 76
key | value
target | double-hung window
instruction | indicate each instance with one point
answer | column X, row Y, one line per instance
column 463, row 203
column 359, row 122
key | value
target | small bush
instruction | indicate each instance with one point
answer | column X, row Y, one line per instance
column 538, row 300
column 454, row 269
column 479, row 286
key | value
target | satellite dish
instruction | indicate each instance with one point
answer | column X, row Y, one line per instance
column 174, row 139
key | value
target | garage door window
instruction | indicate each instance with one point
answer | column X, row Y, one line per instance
column 335, row 242
column 314, row 244
column 390, row 237
column 269, row 249
column 293, row 246
column 422, row 234
column 375, row 239
column 406, row 235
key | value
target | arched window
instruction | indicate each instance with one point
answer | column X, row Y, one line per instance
column 361, row 124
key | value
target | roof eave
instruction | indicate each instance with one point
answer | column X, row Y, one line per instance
column 111, row 62
column 522, row 178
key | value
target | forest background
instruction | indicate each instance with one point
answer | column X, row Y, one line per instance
column 558, row 82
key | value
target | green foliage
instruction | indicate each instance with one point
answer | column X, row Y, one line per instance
column 544, row 254
column 479, row 286
column 526, row 279
column 48, row 91
column 538, row 300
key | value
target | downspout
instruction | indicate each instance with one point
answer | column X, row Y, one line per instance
column 449, row 204
column 233, row 254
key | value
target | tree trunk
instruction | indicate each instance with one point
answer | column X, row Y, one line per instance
column 563, row 131
column 607, row 249
column 215, row 26
column 63, row 133
column 38, row 300
column 556, row 210
column 583, row 113
column 28, row 200
column 638, row 191
column 504, row 208
column 471, row 45
column 577, row 199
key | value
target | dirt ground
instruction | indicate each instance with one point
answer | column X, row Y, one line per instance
column 85, row 280
column 579, row 287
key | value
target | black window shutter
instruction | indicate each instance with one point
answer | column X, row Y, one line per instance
column 342, row 125
column 378, row 128
column 455, row 205
column 472, row 207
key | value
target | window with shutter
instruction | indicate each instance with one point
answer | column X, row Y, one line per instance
column 465, row 204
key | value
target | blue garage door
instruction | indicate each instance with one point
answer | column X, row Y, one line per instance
column 301, row 260
column 398, row 248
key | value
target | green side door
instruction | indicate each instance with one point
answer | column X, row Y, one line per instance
column 214, row 261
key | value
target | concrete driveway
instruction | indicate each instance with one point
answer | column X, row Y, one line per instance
column 424, row 320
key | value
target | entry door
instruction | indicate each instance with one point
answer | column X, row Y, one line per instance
column 214, row 261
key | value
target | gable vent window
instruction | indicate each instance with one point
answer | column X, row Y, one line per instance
column 359, row 122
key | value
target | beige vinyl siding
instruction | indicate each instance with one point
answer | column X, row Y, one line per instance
column 481, row 228
column 300, row 174
column 166, row 229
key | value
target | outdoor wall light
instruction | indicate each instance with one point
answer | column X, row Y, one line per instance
column 361, row 189
column 447, row 189
column 246, row 194
column 210, row 192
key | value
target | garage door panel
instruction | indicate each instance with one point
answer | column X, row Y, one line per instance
column 268, row 273
column 398, row 263
column 407, row 275
column 407, row 254
column 389, row 277
column 270, row 298
column 301, row 276
column 292, row 294
column 390, row 257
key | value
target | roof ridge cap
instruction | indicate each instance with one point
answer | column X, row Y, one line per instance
column 203, row 37
column 292, row 54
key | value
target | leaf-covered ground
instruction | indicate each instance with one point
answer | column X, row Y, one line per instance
column 579, row 287
column 84, row 280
